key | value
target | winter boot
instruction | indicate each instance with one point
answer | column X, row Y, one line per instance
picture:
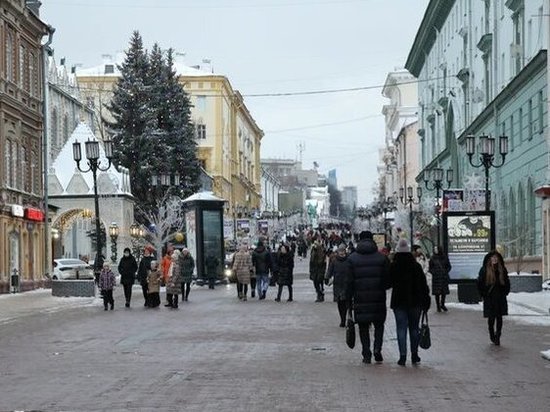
column 415, row 358
column 289, row 295
column 321, row 297
column 443, row 303
column 402, row 360
column 437, row 302
column 492, row 334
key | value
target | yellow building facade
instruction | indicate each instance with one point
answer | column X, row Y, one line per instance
column 227, row 135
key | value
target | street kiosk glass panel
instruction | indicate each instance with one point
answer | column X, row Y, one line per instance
column 212, row 237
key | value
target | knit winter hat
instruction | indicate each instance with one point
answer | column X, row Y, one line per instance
column 403, row 246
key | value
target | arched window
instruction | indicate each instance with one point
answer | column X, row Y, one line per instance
column 532, row 241
column 9, row 55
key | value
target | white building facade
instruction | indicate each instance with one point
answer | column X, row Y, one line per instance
column 270, row 191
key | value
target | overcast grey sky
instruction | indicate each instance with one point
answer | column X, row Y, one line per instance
column 270, row 46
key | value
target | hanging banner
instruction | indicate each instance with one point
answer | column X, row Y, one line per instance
column 228, row 229
column 468, row 237
column 243, row 228
column 452, row 200
column 191, row 234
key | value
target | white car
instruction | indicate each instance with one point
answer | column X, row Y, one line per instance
column 546, row 284
column 70, row 268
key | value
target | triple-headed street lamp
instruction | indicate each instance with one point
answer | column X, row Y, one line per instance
column 136, row 233
column 487, row 157
column 436, row 175
column 94, row 164
column 114, row 232
column 410, row 200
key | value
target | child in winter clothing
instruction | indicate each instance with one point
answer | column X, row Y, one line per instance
column 153, row 285
column 107, row 282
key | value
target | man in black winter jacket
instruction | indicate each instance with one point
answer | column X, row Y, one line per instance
column 368, row 281
column 261, row 259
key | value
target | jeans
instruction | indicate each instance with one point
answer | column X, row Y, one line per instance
column 407, row 319
column 364, row 334
column 262, row 281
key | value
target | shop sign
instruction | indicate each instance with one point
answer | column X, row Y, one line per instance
column 17, row 210
column 34, row 214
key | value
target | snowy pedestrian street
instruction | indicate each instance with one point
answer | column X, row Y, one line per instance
column 216, row 353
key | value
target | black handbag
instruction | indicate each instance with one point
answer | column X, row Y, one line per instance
column 350, row 330
column 424, row 339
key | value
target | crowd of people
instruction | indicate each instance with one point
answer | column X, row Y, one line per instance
column 360, row 275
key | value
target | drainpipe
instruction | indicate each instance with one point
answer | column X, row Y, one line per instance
column 46, row 51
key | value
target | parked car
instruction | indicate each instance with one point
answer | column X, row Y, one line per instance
column 64, row 269
column 546, row 284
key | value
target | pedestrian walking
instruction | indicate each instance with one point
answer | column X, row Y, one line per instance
column 338, row 273
column 143, row 270
column 211, row 264
column 410, row 296
column 285, row 271
column 261, row 259
column 439, row 267
column 107, row 282
column 366, row 288
column 243, row 267
column 165, row 264
column 154, row 279
column 420, row 257
column 494, row 285
column 127, row 267
column 173, row 287
column 187, row 264
column 317, row 268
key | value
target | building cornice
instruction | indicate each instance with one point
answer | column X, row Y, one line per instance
column 432, row 22
column 537, row 64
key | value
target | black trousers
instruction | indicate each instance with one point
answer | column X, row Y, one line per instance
column 108, row 298
column 252, row 287
column 127, row 292
column 342, row 310
column 185, row 289
column 364, row 334
column 491, row 324
column 280, row 291
column 172, row 299
column 242, row 289
column 145, row 290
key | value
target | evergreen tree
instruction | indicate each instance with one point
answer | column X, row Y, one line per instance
column 153, row 132
column 131, row 110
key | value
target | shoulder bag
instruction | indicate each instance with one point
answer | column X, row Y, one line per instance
column 424, row 339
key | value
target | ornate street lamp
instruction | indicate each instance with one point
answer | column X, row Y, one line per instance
column 135, row 233
column 487, row 157
column 436, row 176
column 113, row 232
column 410, row 200
column 94, row 164
column 388, row 206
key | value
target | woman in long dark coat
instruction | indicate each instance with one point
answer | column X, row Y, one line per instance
column 285, row 268
column 338, row 270
column 127, row 268
column 187, row 266
column 440, row 267
column 494, row 285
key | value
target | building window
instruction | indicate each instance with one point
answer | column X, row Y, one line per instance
column 9, row 55
column 201, row 131
column 33, row 75
column 14, row 164
column 518, row 46
column 530, row 117
column 25, row 170
column 22, row 67
column 541, row 112
column 520, row 125
column 201, row 103
column 487, row 16
column 8, row 168
column 35, row 172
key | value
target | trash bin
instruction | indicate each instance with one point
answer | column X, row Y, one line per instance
column 15, row 281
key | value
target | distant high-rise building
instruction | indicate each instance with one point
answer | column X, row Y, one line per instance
column 332, row 181
column 349, row 196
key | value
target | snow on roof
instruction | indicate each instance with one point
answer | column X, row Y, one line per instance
column 209, row 196
column 109, row 68
column 72, row 181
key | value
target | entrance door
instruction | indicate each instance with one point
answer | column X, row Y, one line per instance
column 14, row 255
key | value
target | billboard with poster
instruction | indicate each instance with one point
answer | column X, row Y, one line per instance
column 467, row 238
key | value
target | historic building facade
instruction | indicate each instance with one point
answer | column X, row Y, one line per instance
column 227, row 135
column 482, row 70
column 21, row 189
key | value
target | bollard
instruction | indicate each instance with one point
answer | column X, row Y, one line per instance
column 14, row 281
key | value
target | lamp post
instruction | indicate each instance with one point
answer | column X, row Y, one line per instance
column 410, row 200
column 113, row 232
column 388, row 206
column 165, row 180
column 436, row 176
column 135, row 232
column 487, row 157
column 94, row 164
